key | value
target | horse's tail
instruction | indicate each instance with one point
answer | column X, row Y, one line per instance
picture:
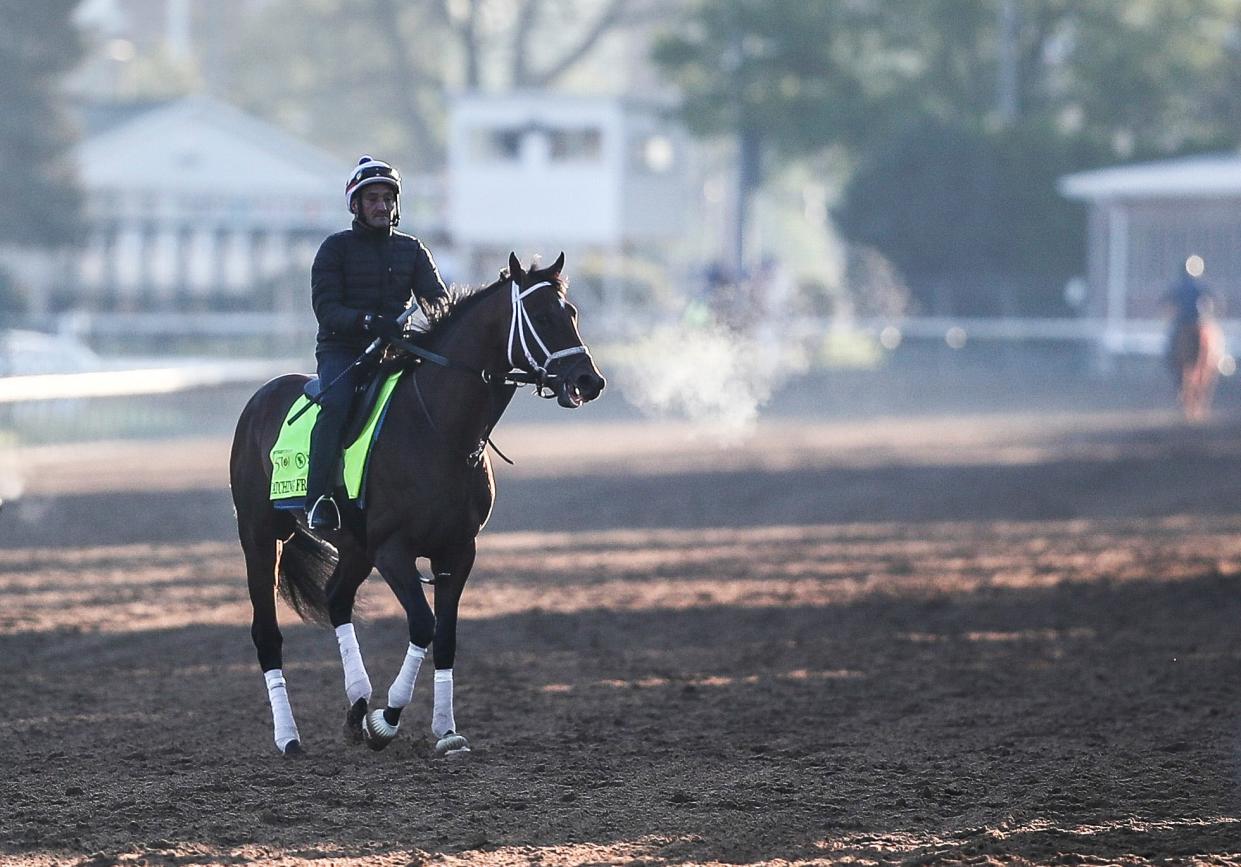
column 306, row 564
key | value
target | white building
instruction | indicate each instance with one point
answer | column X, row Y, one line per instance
column 194, row 203
column 1145, row 221
column 545, row 172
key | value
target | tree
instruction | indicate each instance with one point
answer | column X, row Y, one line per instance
column 960, row 114
column 971, row 216
column 38, row 188
column 330, row 68
column 1138, row 77
column 961, row 194
column 778, row 75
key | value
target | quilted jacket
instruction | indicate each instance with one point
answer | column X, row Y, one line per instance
column 363, row 270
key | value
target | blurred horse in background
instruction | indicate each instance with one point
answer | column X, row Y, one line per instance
column 1194, row 355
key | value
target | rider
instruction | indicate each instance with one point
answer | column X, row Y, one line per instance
column 1189, row 297
column 1191, row 304
column 362, row 280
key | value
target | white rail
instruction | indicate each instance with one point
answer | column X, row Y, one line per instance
column 141, row 381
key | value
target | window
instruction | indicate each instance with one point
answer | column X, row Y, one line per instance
column 496, row 145
column 581, row 144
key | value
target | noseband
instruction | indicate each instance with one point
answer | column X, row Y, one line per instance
column 521, row 325
column 521, row 332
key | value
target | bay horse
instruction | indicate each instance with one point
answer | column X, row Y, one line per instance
column 429, row 491
column 1194, row 353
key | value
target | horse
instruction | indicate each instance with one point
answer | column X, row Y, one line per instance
column 430, row 491
column 1194, row 353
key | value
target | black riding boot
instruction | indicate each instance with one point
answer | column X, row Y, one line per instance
column 322, row 512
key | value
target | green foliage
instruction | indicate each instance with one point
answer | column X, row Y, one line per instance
column 324, row 69
column 376, row 75
column 1143, row 77
column 953, row 183
column 969, row 214
column 785, row 67
column 39, row 198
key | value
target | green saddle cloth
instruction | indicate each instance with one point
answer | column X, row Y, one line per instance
column 290, row 456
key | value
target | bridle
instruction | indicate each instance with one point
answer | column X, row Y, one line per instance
column 521, row 333
column 520, row 325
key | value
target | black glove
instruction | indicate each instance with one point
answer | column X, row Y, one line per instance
column 381, row 326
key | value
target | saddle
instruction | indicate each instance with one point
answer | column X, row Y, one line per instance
column 291, row 451
column 364, row 398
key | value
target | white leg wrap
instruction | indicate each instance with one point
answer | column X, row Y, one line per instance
column 281, row 712
column 357, row 683
column 401, row 693
column 442, row 720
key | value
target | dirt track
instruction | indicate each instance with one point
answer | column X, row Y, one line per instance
column 1004, row 637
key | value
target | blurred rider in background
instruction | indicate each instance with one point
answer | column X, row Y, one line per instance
column 362, row 280
column 1190, row 299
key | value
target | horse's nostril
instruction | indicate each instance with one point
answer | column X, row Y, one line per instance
column 589, row 384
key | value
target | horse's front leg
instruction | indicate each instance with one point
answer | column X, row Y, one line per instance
column 452, row 570
column 397, row 566
column 341, row 591
column 258, row 542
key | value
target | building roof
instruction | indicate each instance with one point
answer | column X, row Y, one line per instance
column 94, row 117
column 1203, row 176
column 199, row 144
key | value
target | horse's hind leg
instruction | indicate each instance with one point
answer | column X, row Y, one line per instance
column 258, row 543
column 342, row 590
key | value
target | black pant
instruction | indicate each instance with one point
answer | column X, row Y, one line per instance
column 325, row 439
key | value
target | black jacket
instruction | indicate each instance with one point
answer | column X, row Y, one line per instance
column 364, row 270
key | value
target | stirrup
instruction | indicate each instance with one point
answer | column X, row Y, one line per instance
column 324, row 514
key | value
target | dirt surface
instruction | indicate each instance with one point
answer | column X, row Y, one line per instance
column 1010, row 637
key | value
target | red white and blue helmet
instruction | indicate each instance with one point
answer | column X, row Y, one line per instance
column 371, row 171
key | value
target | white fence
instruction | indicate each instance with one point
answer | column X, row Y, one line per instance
column 1132, row 336
column 138, row 381
column 164, row 394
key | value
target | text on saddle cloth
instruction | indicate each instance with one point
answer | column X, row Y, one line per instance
column 290, row 456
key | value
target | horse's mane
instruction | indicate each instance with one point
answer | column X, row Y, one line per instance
column 459, row 301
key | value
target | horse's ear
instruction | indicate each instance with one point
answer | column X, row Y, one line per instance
column 514, row 267
column 558, row 265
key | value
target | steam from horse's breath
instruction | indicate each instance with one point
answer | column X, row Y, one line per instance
column 705, row 373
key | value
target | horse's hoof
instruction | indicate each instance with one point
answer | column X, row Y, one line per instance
column 293, row 750
column 354, row 733
column 378, row 731
column 452, row 744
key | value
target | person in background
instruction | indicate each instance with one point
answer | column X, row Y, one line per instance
column 1190, row 299
column 1195, row 347
column 362, row 280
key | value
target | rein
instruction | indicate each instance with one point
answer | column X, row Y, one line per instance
column 520, row 324
column 473, row 458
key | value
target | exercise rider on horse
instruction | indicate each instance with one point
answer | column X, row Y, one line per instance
column 1190, row 299
column 362, row 280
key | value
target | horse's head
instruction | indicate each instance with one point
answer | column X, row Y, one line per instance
column 543, row 339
